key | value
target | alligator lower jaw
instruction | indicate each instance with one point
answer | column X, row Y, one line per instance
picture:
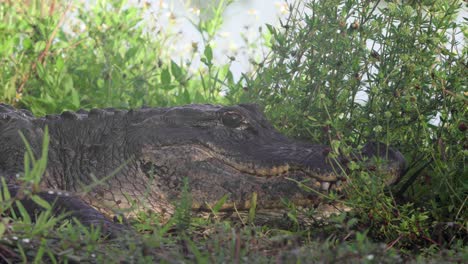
column 280, row 170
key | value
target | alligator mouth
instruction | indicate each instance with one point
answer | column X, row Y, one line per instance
column 324, row 181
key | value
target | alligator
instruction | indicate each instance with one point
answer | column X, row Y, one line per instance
column 224, row 152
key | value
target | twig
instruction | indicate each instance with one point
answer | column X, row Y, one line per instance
column 389, row 246
column 44, row 53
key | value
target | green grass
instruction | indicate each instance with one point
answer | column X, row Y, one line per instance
column 320, row 64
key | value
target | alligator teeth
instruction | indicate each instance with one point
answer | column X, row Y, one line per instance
column 325, row 186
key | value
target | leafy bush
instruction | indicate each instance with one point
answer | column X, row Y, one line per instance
column 100, row 57
column 345, row 72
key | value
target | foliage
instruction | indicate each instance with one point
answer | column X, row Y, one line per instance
column 340, row 72
column 102, row 57
column 346, row 72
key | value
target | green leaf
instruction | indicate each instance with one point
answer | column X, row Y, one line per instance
column 59, row 64
column 253, row 207
column 186, row 97
column 208, row 53
column 2, row 229
column 39, row 46
column 5, row 194
column 219, row 204
column 67, row 83
column 42, row 162
column 27, row 43
column 41, row 71
column 271, row 29
column 176, row 71
column 75, row 98
column 198, row 97
column 165, row 77
column 293, row 217
column 23, row 212
column 41, row 202
column 131, row 53
column 100, row 83
column 40, row 252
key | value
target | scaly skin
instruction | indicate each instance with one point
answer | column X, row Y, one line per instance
column 229, row 150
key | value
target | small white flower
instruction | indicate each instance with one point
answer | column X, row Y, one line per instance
column 162, row 4
column 370, row 257
column 26, row 240
column 252, row 12
column 282, row 7
column 195, row 11
column 18, row 96
column 225, row 34
column 233, row 47
column 82, row 27
column 188, row 47
column 212, row 43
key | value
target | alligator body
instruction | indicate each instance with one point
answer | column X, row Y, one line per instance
column 230, row 150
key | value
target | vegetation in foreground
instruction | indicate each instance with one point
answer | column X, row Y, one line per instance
column 393, row 73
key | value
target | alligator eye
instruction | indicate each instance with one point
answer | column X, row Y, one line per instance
column 232, row 119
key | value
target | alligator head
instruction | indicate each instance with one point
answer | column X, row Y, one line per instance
column 231, row 151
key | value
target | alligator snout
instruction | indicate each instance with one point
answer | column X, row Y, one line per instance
column 330, row 171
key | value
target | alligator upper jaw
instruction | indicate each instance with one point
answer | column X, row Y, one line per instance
column 258, row 164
